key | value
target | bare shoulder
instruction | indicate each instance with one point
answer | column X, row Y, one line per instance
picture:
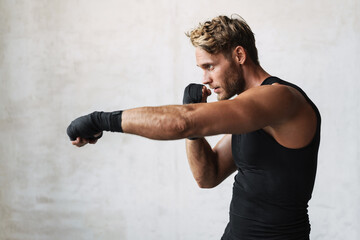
column 275, row 92
column 294, row 120
column 278, row 109
column 278, row 103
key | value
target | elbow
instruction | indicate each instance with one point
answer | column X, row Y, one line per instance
column 182, row 127
column 185, row 126
column 205, row 184
column 178, row 127
column 208, row 178
column 172, row 127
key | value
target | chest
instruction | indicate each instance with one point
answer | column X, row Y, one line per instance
column 256, row 150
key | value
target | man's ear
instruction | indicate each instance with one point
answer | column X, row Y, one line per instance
column 240, row 54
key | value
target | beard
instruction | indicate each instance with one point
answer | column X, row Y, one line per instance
column 234, row 84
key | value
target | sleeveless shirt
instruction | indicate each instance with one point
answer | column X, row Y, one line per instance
column 273, row 184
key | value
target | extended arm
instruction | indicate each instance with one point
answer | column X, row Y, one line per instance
column 251, row 110
column 279, row 110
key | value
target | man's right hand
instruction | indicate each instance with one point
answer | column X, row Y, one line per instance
column 195, row 93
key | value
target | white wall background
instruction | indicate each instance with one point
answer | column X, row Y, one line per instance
column 64, row 58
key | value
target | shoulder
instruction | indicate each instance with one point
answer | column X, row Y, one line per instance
column 274, row 91
column 256, row 108
column 277, row 100
column 291, row 119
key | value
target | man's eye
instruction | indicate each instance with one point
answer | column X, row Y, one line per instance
column 210, row 67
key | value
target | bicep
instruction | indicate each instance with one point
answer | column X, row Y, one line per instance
column 225, row 162
column 250, row 111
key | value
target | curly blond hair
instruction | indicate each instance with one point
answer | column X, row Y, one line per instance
column 222, row 34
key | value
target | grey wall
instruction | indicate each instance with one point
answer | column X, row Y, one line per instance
column 62, row 59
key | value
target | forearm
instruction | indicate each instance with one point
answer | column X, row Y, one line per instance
column 160, row 123
column 203, row 162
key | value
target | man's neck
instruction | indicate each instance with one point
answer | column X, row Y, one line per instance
column 254, row 75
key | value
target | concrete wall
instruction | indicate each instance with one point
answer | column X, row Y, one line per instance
column 62, row 59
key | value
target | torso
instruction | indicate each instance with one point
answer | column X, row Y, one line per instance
column 276, row 173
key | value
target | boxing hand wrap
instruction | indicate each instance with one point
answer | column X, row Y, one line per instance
column 89, row 125
column 193, row 94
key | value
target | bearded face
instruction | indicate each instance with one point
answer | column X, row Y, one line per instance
column 221, row 73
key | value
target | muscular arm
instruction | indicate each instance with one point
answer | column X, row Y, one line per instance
column 210, row 166
column 159, row 123
column 278, row 110
column 251, row 110
column 254, row 109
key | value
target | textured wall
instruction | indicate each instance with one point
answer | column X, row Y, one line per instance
column 63, row 58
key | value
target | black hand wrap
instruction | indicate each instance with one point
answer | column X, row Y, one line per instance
column 89, row 125
column 193, row 93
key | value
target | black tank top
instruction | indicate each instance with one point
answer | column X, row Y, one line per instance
column 273, row 185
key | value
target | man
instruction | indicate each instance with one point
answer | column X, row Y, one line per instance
column 272, row 133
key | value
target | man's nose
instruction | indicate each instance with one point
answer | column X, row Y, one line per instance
column 206, row 78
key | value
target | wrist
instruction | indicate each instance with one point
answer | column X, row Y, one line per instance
column 116, row 121
column 108, row 121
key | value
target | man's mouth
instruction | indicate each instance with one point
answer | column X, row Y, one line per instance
column 217, row 90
